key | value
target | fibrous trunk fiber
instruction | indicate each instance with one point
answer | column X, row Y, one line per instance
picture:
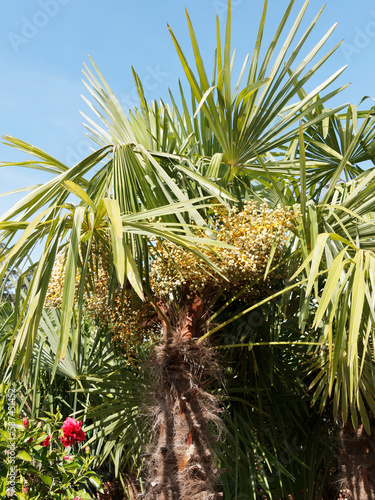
column 180, row 464
column 358, row 462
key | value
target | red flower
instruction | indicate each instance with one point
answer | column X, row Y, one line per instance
column 46, row 441
column 25, row 422
column 72, row 432
column 30, row 440
column 65, row 442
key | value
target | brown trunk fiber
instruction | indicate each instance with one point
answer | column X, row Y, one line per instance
column 358, row 462
column 181, row 466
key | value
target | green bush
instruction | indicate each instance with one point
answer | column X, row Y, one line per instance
column 42, row 458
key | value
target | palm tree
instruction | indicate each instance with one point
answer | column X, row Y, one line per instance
column 151, row 188
column 333, row 237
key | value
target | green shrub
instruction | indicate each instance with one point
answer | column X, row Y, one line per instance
column 43, row 459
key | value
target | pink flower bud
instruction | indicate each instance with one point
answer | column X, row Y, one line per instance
column 25, row 422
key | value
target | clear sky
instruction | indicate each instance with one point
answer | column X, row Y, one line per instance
column 44, row 43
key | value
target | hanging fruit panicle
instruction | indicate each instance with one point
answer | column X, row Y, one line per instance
column 253, row 232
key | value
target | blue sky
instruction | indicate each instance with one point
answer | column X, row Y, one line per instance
column 44, row 43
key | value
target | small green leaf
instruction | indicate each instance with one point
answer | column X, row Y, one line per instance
column 19, row 424
column 23, row 455
column 95, row 480
column 46, row 479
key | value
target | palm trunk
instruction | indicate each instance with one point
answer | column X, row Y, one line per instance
column 357, row 462
column 180, row 465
